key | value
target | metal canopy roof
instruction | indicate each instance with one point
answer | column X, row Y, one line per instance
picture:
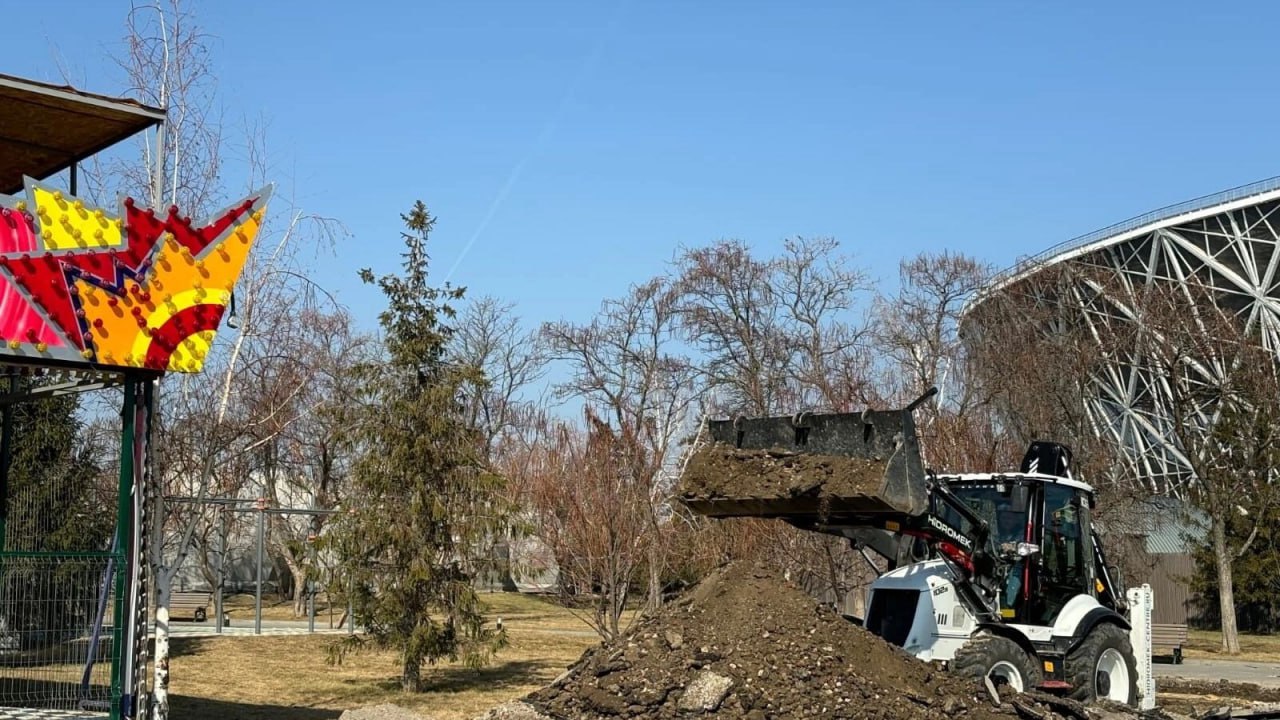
column 45, row 128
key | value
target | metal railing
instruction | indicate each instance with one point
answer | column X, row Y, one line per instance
column 1168, row 212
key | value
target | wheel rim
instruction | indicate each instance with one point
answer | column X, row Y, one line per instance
column 1006, row 673
column 1111, row 677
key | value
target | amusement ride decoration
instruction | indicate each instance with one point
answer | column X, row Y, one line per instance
column 138, row 289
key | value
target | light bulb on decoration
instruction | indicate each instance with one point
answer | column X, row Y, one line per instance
column 233, row 320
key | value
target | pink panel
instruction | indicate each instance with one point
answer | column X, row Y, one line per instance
column 17, row 319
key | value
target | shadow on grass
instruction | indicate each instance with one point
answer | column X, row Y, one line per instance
column 189, row 708
column 185, row 646
column 516, row 673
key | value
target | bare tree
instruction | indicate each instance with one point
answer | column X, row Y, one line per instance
column 919, row 346
column 306, row 458
column 211, row 423
column 626, row 366
column 510, row 359
column 1218, row 401
column 730, row 310
column 167, row 63
column 587, row 489
column 777, row 336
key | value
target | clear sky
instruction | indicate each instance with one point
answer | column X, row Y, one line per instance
column 573, row 146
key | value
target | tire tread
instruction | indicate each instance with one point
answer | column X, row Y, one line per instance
column 1081, row 661
column 985, row 649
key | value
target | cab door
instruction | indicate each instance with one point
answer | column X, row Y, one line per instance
column 1065, row 568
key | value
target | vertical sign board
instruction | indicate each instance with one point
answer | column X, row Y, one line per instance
column 1141, row 602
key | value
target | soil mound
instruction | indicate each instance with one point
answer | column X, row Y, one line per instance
column 747, row 644
column 723, row 471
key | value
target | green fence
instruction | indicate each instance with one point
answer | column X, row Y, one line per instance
column 56, row 633
column 70, row 545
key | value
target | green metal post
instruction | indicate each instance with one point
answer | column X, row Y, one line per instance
column 123, row 535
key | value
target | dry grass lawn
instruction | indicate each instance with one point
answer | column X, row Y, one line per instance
column 287, row 678
column 273, row 608
column 1254, row 648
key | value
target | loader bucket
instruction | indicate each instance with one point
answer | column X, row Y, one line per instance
column 809, row 468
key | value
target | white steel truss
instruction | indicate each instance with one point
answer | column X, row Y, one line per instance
column 1230, row 248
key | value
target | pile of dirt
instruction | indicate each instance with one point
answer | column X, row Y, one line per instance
column 747, row 644
column 723, row 471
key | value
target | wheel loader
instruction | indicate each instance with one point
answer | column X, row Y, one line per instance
column 998, row 576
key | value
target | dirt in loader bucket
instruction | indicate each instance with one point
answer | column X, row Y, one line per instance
column 807, row 467
column 721, row 471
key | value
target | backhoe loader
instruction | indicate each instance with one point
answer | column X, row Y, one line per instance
column 998, row 576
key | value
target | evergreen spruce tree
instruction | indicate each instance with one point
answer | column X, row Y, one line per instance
column 423, row 508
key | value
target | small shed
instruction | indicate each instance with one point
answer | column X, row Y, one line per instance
column 1170, row 530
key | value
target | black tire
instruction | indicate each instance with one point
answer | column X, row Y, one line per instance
column 1089, row 681
column 200, row 615
column 986, row 653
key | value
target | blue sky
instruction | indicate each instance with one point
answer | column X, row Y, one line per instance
column 578, row 144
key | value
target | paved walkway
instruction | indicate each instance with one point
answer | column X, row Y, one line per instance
column 241, row 628
column 1240, row 671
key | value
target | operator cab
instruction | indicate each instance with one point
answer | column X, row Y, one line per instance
column 1039, row 523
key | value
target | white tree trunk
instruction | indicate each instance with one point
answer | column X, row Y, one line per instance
column 160, row 684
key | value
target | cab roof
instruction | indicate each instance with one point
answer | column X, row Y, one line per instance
column 1011, row 476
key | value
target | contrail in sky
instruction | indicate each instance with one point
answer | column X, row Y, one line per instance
column 544, row 137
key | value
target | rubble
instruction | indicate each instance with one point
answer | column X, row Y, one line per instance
column 747, row 644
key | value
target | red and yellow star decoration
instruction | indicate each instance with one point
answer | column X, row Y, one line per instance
column 140, row 290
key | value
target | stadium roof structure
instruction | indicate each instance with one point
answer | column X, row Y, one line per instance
column 45, row 128
column 1228, row 242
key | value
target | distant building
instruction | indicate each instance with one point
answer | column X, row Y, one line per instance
column 1159, row 539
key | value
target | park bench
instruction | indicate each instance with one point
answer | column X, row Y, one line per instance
column 1167, row 640
column 194, row 605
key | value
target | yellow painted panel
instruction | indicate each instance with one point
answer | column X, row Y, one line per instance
column 68, row 224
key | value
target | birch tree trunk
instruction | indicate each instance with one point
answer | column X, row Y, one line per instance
column 160, row 684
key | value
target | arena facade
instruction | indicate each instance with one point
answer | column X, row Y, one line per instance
column 1226, row 242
